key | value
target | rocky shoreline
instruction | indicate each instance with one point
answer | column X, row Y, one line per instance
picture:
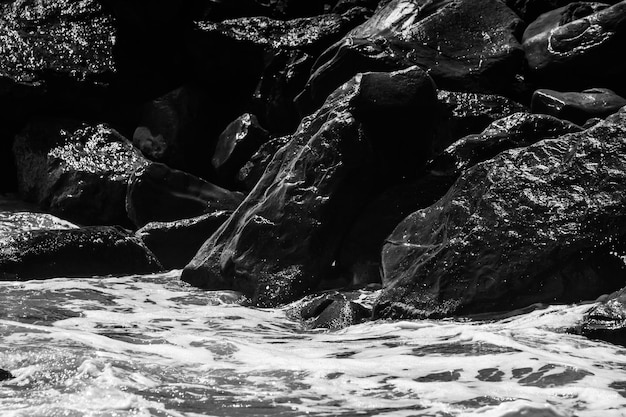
column 464, row 157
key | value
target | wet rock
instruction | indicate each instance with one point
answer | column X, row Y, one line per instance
column 333, row 310
column 480, row 52
column 237, row 144
column 577, row 107
column 468, row 113
column 530, row 10
column 584, row 49
column 24, row 220
column 157, row 193
column 5, row 375
column 76, row 171
column 175, row 243
column 282, row 240
column 561, row 16
column 278, row 9
column 250, row 174
column 515, row 131
column 531, row 225
column 343, row 6
column 85, row 252
column 607, row 319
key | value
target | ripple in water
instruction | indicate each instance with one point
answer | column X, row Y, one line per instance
column 151, row 346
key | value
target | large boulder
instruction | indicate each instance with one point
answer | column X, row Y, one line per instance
column 85, row 252
column 76, row 171
column 480, row 52
column 331, row 310
column 175, row 243
column 252, row 171
column 583, row 49
column 577, row 107
column 534, row 224
column 157, row 193
column 530, row 10
column 561, row 16
column 607, row 319
column 283, row 239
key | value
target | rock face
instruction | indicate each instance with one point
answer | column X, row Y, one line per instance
column 253, row 170
column 85, row 252
column 175, row 243
column 607, row 320
column 584, row 49
column 480, row 52
column 531, row 225
column 77, row 171
column 159, row 193
column 577, row 107
column 282, row 240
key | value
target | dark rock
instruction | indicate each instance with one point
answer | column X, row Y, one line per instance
column 581, row 53
column 157, row 193
column 333, row 310
column 530, row 10
column 531, row 225
column 16, row 221
column 5, row 375
column 77, row 171
column 480, row 52
column 607, row 320
column 278, row 9
column 561, row 16
column 577, row 107
column 468, row 113
column 515, row 131
column 250, row 174
column 282, row 240
column 85, row 252
column 175, row 243
column 343, row 6
column 237, row 144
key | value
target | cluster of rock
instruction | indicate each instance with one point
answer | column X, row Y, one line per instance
column 465, row 156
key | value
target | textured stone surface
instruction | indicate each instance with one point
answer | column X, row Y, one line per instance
column 577, row 107
column 282, row 240
column 561, row 16
column 531, row 225
column 332, row 310
column 607, row 319
column 85, row 252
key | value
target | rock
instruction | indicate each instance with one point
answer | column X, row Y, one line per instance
column 85, row 252
column 250, row 174
column 584, row 49
column 283, row 239
column 515, row 131
column 343, row 6
column 333, row 310
column 577, row 107
column 278, row 9
column 23, row 220
column 175, row 243
column 480, row 52
column 607, row 319
column 531, row 225
column 530, row 10
column 237, row 144
column 5, row 375
column 561, row 16
column 76, row 171
column 468, row 113
column 157, row 193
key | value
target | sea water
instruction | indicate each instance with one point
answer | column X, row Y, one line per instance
column 153, row 346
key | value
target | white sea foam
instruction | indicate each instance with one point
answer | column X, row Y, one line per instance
column 152, row 346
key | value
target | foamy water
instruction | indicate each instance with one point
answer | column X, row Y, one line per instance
column 152, row 346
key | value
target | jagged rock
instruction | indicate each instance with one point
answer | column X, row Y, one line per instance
column 577, row 107
column 250, row 174
column 561, row 16
column 5, row 375
column 157, row 193
column 76, row 171
column 333, row 310
column 607, row 320
column 85, row 252
column 282, row 240
column 262, row 63
column 175, row 243
column 515, row 131
column 531, row 225
column 237, row 144
column 480, row 52
column 581, row 53
column 468, row 113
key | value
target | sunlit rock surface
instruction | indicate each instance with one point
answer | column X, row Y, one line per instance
column 531, row 225
column 607, row 320
column 75, row 170
column 85, row 252
column 282, row 240
column 561, row 16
